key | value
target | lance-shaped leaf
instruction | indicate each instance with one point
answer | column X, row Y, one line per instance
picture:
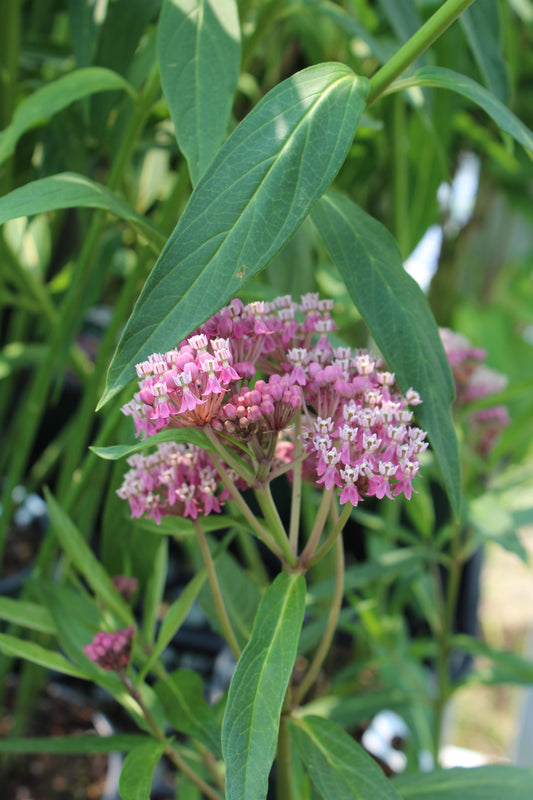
column 396, row 312
column 339, row 767
column 481, row 783
column 69, row 190
column 251, row 722
column 54, row 97
column 199, row 55
column 448, row 79
column 481, row 24
column 259, row 188
column 182, row 697
column 138, row 770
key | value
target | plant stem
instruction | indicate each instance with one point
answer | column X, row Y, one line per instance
column 244, row 508
column 218, row 600
column 170, row 751
column 296, row 499
column 239, row 468
column 318, row 527
column 330, row 541
column 331, row 625
column 415, row 46
column 445, row 634
column 271, row 514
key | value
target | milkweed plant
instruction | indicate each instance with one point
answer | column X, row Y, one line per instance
column 307, row 479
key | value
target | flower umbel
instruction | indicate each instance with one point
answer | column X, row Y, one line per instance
column 111, row 651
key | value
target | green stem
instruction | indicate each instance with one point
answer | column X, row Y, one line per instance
column 277, row 529
column 224, row 453
column 170, row 751
column 243, row 507
column 296, row 499
column 218, row 600
column 331, row 626
column 330, row 541
column 444, row 637
column 318, row 527
column 10, row 36
column 415, row 46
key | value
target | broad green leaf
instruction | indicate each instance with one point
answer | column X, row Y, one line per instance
column 241, row 597
column 182, row 696
column 174, row 618
column 136, row 776
column 339, row 767
column 257, row 191
column 480, row 783
column 69, row 190
column 190, row 435
column 398, row 317
column 199, row 55
column 30, row 615
column 448, row 79
column 481, row 25
column 86, row 562
column 351, row 26
column 251, row 722
column 54, row 97
column 70, row 745
column 30, row 651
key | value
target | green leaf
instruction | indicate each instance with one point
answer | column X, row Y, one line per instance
column 174, row 618
column 18, row 648
column 254, row 195
column 70, row 745
column 251, row 721
column 403, row 16
column 448, row 79
column 199, row 53
column 86, row 562
column 154, row 591
column 351, row 710
column 480, row 783
column 30, row 615
column 54, row 97
column 481, row 25
column 85, row 20
column 136, row 776
column 339, row 767
column 182, row 697
column 190, row 435
column 398, row 317
column 69, row 190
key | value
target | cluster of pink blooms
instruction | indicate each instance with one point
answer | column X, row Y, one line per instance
column 244, row 373
column 474, row 381
column 111, row 651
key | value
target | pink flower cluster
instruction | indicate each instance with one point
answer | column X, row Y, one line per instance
column 244, row 374
column 111, row 650
column 474, row 381
column 178, row 479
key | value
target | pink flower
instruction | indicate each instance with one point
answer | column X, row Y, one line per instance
column 111, row 651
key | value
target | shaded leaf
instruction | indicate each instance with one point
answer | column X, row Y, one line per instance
column 398, row 317
column 259, row 188
column 190, row 435
column 199, row 55
column 136, row 776
column 448, row 79
column 481, row 25
column 18, row 648
column 182, row 696
column 69, row 745
column 54, row 97
column 69, row 190
column 339, row 767
column 251, row 721
column 480, row 783
column 30, row 615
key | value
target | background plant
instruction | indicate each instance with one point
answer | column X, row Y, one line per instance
column 109, row 125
